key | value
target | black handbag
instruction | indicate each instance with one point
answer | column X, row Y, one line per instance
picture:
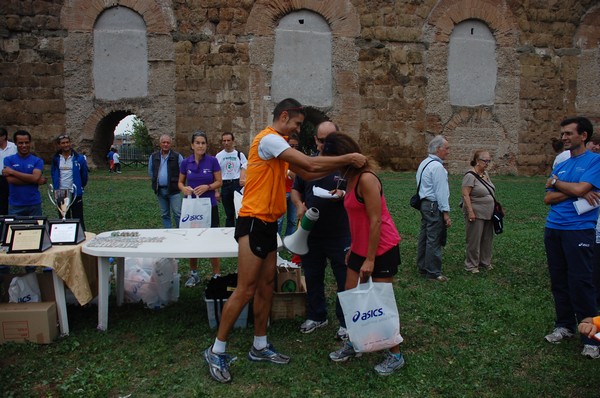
column 498, row 214
column 415, row 200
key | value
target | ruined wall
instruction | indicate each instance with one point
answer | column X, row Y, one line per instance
column 210, row 67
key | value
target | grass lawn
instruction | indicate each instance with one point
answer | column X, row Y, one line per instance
column 476, row 336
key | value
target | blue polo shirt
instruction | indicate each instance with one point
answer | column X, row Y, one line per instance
column 582, row 168
column 29, row 194
column 201, row 173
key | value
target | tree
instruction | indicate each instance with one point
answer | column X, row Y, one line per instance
column 141, row 137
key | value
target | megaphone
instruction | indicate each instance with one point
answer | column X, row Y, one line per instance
column 296, row 242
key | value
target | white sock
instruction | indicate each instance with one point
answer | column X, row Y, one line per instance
column 260, row 342
column 219, row 346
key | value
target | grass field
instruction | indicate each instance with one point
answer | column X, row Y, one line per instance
column 476, row 336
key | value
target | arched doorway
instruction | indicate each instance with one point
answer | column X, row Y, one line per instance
column 104, row 136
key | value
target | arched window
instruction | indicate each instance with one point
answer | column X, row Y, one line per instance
column 302, row 60
column 472, row 67
column 120, row 55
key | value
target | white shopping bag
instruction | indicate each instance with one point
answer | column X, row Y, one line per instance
column 24, row 289
column 371, row 316
column 195, row 213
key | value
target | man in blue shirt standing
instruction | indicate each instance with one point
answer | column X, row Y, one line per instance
column 70, row 168
column 435, row 210
column 23, row 173
column 569, row 237
column 163, row 169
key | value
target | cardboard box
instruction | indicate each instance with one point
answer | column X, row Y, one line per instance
column 241, row 322
column 288, row 280
column 289, row 305
column 35, row 322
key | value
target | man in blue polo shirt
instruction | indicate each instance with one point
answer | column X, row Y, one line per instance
column 569, row 237
column 23, row 172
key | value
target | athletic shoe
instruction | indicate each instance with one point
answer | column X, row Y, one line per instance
column 472, row 270
column 341, row 334
column 268, row 354
column 439, row 278
column 310, row 326
column 558, row 334
column 193, row 280
column 591, row 351
column 344, row 353
column 218, row 365
column 390, row 364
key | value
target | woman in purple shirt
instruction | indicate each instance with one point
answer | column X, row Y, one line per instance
column 200, row 175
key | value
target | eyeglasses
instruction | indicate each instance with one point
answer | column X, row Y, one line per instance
column 199, row 134
column 486, row 161
column 62, row 137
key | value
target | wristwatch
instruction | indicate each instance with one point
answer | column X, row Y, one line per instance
column 553, row 181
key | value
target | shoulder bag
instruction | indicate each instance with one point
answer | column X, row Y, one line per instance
column 415, row 200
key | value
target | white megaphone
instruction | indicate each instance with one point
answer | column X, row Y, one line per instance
column 296, row 242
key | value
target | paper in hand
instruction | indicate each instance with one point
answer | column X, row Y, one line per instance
column 323, row 193
column 582, row 206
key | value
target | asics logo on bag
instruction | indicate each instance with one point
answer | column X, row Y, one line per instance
column 193, row 217
column 363, row 316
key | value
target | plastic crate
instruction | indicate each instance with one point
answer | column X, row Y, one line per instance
column 241, row 322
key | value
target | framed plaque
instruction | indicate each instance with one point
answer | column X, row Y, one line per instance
column 29, row 238
column 8, row 225
column 3, row 220
column 66, row 231
column 41, row 220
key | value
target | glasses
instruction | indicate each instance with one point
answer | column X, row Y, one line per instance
column 199, row 134
column 486, row 161
column 62, row 137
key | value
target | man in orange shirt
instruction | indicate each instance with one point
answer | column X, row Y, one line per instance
column 256, row 230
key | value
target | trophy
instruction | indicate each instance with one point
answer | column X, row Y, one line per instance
column 62, row 199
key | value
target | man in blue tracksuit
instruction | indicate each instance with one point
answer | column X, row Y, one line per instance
column 70, row 168
column 569, row 237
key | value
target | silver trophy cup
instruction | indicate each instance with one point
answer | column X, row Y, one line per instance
column 62, row 199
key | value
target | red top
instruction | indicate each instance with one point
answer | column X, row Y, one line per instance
column 359, row 226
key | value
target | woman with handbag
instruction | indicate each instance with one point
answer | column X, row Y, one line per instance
column 478, row 202
column 374, row 251
column 200, row 176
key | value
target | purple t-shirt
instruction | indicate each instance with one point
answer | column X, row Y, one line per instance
column 201, row 173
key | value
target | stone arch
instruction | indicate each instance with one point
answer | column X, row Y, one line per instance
column 344, row 22
column 468, row 128
column 587, row 39
column 84, row 111
column 81, row 15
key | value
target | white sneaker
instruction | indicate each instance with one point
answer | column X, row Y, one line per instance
column 341, row 334
column 193, row 280
column 310, row 326
column 591, row 351
column 559, row 334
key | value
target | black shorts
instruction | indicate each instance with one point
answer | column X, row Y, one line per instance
column 262, row 235
column 214, row 217
column 386, row 265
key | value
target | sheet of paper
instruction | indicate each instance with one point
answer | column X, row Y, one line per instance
column 582, row 206
column 323, row 193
